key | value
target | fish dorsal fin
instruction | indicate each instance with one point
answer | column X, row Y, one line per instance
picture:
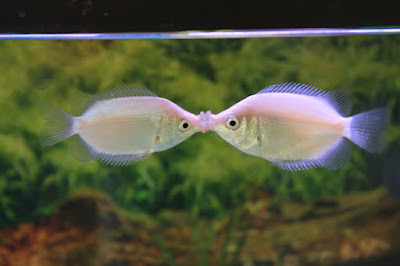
column 125, row 90
column 84, row 101
column 339, row 99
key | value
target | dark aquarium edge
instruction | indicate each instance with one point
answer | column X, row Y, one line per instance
column 217, row 34
column 83, row 16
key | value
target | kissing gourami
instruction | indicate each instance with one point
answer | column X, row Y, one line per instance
column 298, row 127
column 120, row 126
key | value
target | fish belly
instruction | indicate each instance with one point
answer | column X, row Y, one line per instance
column 120, row 134
column 285, row 139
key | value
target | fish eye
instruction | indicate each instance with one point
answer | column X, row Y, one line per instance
column 184, row 125
column 232, row 123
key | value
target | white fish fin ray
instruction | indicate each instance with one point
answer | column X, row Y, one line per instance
column 58, row 125
column 85, row 101
column 82, row 102
column 339, row 99
column 125, row 90
column 122, row 159
column 366, row 129
column 83, row 152
column 333, row 158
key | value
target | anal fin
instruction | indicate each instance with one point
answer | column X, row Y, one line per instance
column 333, row 158
column 83, row 152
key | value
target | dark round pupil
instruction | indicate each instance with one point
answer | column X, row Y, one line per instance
column 185, row 125
column 232, row 123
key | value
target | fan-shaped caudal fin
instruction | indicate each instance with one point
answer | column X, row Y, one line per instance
column 58, row 126
column 366, row 129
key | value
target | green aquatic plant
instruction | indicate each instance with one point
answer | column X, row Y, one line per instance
column 164, row 250
column 204, row 177
column 203, row 245
column 204, row 237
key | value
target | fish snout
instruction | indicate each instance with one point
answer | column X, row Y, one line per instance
column 205, row 124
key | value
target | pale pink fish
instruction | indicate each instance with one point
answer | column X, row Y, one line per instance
column 120, row 126
column 297, row 126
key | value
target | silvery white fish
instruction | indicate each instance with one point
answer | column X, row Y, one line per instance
column 297, row 126
column 120, row 126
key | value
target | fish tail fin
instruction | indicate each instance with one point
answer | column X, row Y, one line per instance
column 366, row 129
column 58, row 125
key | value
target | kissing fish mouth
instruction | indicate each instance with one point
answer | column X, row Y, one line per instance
column 205, row 119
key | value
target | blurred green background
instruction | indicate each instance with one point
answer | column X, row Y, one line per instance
column 203, row 176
